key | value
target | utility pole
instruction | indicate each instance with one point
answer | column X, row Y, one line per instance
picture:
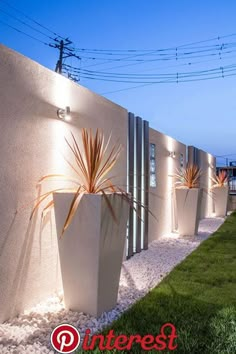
column 59, row 62
column 65, row 51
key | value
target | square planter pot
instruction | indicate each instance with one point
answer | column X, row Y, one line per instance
column 91, row 251
column 187, row 202
column 220, row 199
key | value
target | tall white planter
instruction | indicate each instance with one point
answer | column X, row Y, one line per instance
column 220, row 199
column 91, row 251
column 187, row 201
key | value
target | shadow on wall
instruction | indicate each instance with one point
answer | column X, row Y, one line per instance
column 16, row 285
column 20, row 150
column 16, row 282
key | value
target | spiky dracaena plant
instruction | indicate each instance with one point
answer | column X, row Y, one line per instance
column 91, row 165
column 189, row 177
column 221, row 179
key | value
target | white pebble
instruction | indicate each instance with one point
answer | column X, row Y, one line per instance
column 30, row 332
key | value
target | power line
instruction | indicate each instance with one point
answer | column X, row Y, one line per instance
column 170, row 80
column 226, row 155
column 171, row 48
column 167, row 59
column 120, row 77
column 22, row 32
column 190, row 63
column 63, row 45
column 178, row 77
column 152, row 51
column 183, row 52
column 163, row 82
column 183, row 56
column 161, row 49
column 24, row 23
column 31, row 19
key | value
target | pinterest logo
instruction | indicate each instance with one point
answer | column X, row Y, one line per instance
column 65, row 338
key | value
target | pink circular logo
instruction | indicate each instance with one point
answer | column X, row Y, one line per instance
column 65, row 338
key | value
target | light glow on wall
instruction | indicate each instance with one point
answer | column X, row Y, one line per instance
column 60, row 129
column 59, row 147
column 210, row 172
column 61, row 92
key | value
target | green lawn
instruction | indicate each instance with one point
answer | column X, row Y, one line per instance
column 198, row 297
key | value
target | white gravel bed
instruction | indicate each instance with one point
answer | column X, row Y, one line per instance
column 30, row 332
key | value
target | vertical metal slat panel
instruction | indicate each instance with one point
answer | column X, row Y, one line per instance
column 193, row 155
column 190, row 155
column 146, row 180
column 131, row 181
column 138, row 171
column 196, row 157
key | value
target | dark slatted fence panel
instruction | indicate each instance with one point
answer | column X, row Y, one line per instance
column 145, row 181
column 138, row 182
column 131, row 182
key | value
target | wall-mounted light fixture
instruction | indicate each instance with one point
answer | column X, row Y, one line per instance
column 172, row 154
column 64, row 113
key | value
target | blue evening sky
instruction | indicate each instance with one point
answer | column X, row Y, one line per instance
column 197, row 113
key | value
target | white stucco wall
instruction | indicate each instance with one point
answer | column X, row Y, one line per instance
column 31, row 145
column 162, row 198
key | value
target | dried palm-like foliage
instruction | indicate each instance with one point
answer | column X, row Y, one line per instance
column 91, row 165
column 221, row 179
column 189, row 177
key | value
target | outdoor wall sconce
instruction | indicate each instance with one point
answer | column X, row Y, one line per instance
column 64, row 113
column 172, row 154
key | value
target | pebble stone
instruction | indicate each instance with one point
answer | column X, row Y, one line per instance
column 29, row 333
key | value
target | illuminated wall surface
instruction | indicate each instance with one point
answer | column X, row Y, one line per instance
column 170, row 156
column 31, row 145
column 207, row 164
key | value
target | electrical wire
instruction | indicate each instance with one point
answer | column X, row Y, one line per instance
column 160, row 52
column 183, row 56
column 22, row 32
column 185, row 52
column 226, row 155
column 25, row 24
column 166, row 81
column 190, row 45
column 174, row 77
column 160, row 82
column 177, row 80
column 165, row 59
column 171, row 48
column 110, row 75
column 31, row 19
column 162, row 49
column 189, row 63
